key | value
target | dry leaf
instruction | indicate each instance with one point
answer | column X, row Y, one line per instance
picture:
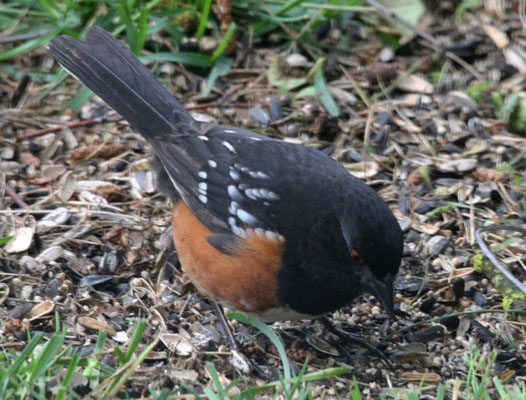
column 415, row 83
column 21, row 241
column 41, row 309
column 96, row 325
column 497, row 36
column 427, row 377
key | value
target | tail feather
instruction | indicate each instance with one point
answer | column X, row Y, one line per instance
column 115, row 74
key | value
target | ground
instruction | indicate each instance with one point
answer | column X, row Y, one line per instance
column 440, row 135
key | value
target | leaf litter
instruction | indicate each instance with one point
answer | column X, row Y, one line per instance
column 440, row 142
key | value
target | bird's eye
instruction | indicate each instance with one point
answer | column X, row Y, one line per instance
column 356, row 258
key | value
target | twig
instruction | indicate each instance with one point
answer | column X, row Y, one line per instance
column 487, row 252
column 20, row 90
column 384, row 10
column 446, row 316
column 217, row 104
column 11, row 192
column 76, row 124
column 435, row 43
column 25, row 36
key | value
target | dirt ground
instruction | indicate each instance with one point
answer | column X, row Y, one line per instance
column 439, row 136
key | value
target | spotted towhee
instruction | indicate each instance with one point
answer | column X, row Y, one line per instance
column 274, row 229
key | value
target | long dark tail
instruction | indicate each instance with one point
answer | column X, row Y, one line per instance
column 114, row 73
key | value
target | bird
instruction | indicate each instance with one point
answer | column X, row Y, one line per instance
column 277, row 230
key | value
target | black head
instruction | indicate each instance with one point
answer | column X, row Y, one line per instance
column 374, row 242
column 340, row 244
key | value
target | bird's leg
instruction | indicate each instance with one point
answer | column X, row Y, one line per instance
column 232, row 342
column 239, row 360
column 357, row 339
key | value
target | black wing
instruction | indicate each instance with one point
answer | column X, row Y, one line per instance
column 237, row 181
column 232, row 179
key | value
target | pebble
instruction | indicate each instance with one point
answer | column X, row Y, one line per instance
column 480, row 299
column 461, row 165
column 296, row 61
column 436, row 245
column 25, row 293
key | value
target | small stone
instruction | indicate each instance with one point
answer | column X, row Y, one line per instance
column 296, row 61
column 480, row 299
column 436, row 245
column 462, row 165
column 208, row 44
column 26, row 291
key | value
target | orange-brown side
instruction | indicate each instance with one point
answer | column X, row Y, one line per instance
column 246, row 281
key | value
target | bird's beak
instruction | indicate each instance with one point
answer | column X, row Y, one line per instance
column 382, row 289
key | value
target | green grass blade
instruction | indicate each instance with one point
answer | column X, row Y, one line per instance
column 246, row 319
column 27, row 46
column 131, row 32
column 136, row 339
column 222, row 67
column 314, row 376
column 121, row 379
column 67, row 377
column 143, row 26
column 78, row 100
column 43, row 359
column 204, row 19
column 6, row 239
column 224, row 43
column 217, row 382
column 288, row 6
column 325, row 97
column 355, row 390
column 193, row 59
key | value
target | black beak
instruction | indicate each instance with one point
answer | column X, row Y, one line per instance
column 382, row 289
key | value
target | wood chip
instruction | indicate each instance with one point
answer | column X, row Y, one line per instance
column 96, row 325
column 497, row 36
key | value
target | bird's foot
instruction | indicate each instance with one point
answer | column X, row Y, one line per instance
column 357, row 339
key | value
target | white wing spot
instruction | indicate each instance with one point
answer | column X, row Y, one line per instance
column 203, row 198
column 229, row 130
column 234, row 175
column 232, row 209
column 234, row 193
column 202, row 174
column 204, row 138
column 241, row 168
column 245, row 217
column 229, row 147
column 269, row 195
column 261, row 194
column 239, row 231
column 260, row 232
column 212, row 163
column 231, row 221
column 259, row 174
column 274, row 236
column 250, row 194
column 202, row 188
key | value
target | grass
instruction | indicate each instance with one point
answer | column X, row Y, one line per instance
column 294, row 22
column 49, row 368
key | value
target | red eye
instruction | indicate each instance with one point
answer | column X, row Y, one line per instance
column 356, row 258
